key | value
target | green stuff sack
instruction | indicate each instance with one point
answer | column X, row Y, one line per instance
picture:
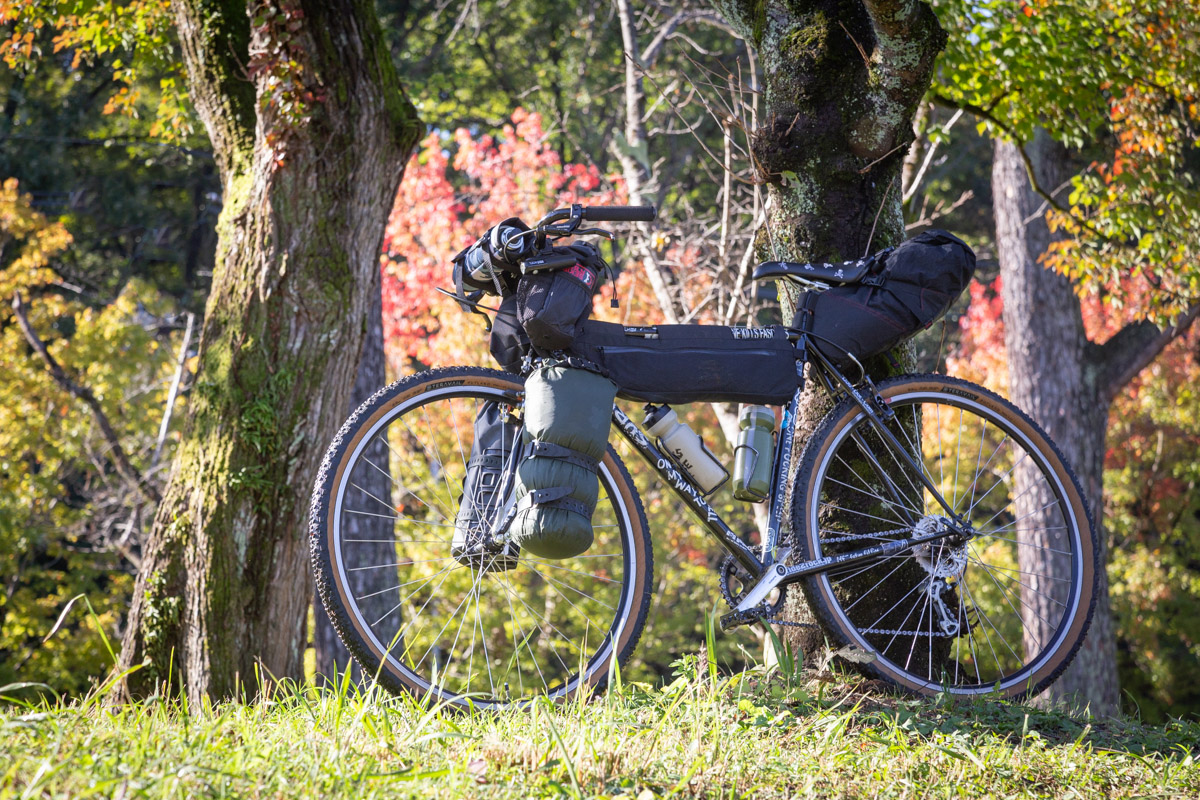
column 567, row 416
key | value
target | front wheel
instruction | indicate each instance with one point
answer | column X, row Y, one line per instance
column 1004, row 611
column 386, row 534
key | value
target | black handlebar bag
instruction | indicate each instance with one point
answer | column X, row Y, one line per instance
column 908, row 289
column 693, row 363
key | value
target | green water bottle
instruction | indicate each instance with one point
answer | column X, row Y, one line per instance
column 754, row 454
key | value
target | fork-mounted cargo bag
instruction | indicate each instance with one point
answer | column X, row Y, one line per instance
column 567, row 416
column 693, row 363
column 909, row 288
column 483, row 484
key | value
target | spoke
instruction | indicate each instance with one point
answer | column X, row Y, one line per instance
column 441, row 464
column 957, row 454
column 550, row 646
column 873, row 588
column 1008, row 600
column 985, row 467
column 567, row 569
column 1019, row 543
column 979, row 613
column 867, row 485
column 988, row 567
column 407, row 583
column 400, row 564
column 440, row 510
column 884, row 500
column 1000, row 482
column 1021, row 571
column 386, row 505
column 831, row 506
column 401, row 519
column 517, row 627
column 395, row 541
column 978, row 459
column 554, row 585
column 1030, row 514
column 400, row 635
column 893, row 608
column 918, row 453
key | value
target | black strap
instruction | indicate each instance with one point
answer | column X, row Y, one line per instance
column 556, row 497
column 561, row 453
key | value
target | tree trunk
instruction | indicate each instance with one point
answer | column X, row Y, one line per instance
column 375, row 533
column 1055, row 376
column 310, row 151
column 842, row 80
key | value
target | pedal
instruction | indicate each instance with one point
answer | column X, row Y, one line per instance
column 735, row 619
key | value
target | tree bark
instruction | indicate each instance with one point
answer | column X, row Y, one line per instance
column 841, row 80
column 1055, row 376
column 310, row 151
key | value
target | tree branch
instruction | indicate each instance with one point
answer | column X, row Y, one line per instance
column 1133, row 348
column 120, row 460
column 655, row 49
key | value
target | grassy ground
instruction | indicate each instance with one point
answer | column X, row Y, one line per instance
column 753, row 735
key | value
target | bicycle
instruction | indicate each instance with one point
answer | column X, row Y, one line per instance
column 940, row 495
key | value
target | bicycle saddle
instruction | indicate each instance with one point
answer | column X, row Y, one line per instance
column 845, row 272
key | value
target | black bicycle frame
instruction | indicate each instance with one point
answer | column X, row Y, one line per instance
column 769, row 564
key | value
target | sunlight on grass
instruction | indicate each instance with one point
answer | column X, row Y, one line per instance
column 761, row 733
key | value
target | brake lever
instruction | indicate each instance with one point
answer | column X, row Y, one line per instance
column 597, row 232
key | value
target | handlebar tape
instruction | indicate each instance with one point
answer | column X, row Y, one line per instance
column 620, row 213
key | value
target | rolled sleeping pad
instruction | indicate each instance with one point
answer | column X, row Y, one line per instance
column 567, row 416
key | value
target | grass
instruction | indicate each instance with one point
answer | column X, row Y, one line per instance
column 756, row 734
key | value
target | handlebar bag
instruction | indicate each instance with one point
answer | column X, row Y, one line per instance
column 693, row 363
column 567, row 416
column 552, row 305
column 908, row 289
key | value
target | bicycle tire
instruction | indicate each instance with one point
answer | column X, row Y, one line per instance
column 834, row 493
column 334, row 494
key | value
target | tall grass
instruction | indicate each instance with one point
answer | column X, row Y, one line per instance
column 764, row 733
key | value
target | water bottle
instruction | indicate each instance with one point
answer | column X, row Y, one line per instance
column 479, row 268
column 684, row 447
column 754, row 455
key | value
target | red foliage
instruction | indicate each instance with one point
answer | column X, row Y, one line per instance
column 454, row 189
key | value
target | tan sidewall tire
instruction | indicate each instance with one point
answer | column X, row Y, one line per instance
column 322, row 531
column 823, row 439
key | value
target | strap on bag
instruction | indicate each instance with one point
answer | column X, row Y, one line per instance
column 555, row 497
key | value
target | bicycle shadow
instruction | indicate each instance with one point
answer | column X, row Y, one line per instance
column 875, row 705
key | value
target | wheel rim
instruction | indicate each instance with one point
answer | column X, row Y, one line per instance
column 1007, row 592
column 464, row 635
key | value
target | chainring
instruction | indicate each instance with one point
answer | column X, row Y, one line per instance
column 730, row 571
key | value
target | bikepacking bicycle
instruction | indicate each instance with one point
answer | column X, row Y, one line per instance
column 934, row 527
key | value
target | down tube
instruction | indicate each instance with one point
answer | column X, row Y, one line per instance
column 689, row 494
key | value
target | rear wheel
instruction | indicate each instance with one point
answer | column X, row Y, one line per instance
column 488, row 632
column 1005, row 611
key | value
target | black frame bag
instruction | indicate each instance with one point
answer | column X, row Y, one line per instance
column 693, row 363
column 908, row 288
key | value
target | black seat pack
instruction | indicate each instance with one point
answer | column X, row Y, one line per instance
column 908, row 288
column 692, row 363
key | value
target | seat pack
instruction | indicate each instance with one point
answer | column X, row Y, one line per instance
column 906, row 289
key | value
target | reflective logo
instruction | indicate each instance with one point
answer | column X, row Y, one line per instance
column 753, row 333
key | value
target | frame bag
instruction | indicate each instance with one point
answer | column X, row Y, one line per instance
column 693, row 363
column 907, row 289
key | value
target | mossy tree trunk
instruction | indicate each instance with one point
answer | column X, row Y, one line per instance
column 310, row 130
column 842, row 80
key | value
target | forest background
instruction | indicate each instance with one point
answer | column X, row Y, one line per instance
column 110, row 202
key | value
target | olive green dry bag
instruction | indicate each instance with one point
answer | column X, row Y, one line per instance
column 567, row 416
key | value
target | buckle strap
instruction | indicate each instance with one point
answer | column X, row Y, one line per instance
column 556, row 497
column 561, row 453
